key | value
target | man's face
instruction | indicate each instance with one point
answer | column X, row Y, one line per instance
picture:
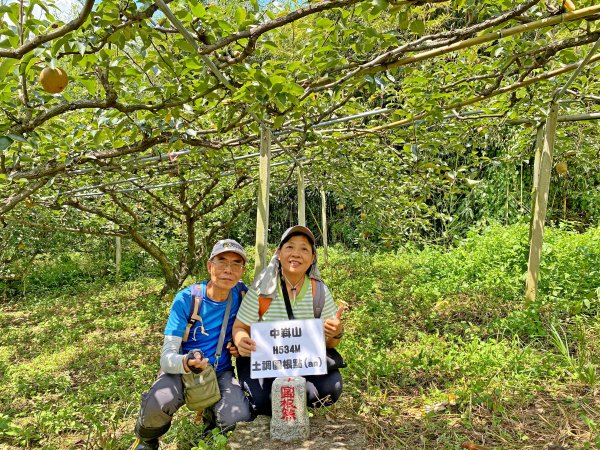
column 226, row 270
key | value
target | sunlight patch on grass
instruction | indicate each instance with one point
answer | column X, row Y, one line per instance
column 43, row 372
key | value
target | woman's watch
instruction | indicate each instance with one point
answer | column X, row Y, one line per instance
column 339, row 336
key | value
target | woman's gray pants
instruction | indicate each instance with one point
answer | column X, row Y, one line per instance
column 165, row 397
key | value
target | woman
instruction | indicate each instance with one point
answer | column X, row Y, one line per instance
column 294, row 262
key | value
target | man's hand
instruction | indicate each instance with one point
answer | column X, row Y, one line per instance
column 195, row 361
column 232, row 349
column 246, row 346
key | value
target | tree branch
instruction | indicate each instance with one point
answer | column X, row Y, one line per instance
column 208, row 187
column 125, row 208
column 382, row 64
column 152, row 249
column 257, row 31
column 168, row 209
column 38, row 40
column 13, row 201
column 77, row 230
column 478, row 98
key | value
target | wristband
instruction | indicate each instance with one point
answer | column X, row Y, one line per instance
column 339, row 336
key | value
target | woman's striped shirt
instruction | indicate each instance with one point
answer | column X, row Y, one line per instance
column 302, row 307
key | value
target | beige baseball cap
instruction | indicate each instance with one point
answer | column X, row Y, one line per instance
column 228, row 245
column 297, row 229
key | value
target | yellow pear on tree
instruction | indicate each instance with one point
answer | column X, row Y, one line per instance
column 53, row 80
column 561, row 168
column 569, row 5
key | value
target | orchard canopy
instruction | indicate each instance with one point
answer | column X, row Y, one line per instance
column 404, row 107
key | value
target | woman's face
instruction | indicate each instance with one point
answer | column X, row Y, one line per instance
column 296, row 256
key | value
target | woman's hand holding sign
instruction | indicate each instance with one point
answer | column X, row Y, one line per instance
column 246, row 346
column 241, row 338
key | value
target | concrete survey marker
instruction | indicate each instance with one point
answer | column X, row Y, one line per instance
column 289, row 422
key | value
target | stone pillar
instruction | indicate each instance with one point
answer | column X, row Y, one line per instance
column 289, row 421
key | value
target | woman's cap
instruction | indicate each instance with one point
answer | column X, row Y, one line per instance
column 297, row 229
column 228, row 245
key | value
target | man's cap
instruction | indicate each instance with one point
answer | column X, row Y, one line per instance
column 297, row 229
column 228, row 245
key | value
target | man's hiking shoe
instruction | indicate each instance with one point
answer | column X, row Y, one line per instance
column 145, row 444
column 209, row 421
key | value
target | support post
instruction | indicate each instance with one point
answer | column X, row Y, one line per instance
column 118, row 258
column 324, row 224
column 301, row 198
column 539, row 146
column 262, row 211
column 540, row 205
column 541, row 198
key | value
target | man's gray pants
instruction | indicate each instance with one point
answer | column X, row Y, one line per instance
column 166, row 396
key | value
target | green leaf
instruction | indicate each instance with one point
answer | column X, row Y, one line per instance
column 59, row 43
column 323, row 22
column 89, row 83
column 293, row 89
column 403, row 21
column 193, row 63
column 198, row 10
column 240, row 14
column 17, row 137
column 5, row 66
column 270, row 45
column 98, row 138
column 26, row 63
column 378, row 6
column 5, row 142
column 417, row 26
column 278, row 121
column 184, row 45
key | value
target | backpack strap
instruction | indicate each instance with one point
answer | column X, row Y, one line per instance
column 318, row 292
column 197, row 296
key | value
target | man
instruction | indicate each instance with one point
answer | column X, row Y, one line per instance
column 226, row 266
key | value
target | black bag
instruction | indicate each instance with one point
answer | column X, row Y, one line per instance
column 334, row 360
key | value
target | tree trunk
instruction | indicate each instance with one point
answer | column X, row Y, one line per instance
column 172, row 282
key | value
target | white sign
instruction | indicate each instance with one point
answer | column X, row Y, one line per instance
column 288, row 348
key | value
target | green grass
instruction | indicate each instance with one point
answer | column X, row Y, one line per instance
column 441, row 349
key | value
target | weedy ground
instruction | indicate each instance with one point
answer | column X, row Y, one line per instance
column 442, row 349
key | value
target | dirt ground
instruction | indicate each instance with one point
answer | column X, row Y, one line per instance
column 325, row 434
